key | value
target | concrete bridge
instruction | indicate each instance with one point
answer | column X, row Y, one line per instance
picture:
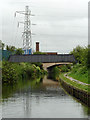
column 46, row 60
column 50, row 65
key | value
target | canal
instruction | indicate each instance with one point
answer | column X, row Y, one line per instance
column 42, row 98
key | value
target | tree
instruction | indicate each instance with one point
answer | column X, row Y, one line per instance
column 10, row 48
column 19, row 51
column 81, row 54
column 0, row 44
column 3, row 45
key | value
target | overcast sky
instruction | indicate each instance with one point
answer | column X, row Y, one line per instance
column 61, row 24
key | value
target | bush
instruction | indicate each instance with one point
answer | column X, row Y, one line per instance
column 9, row 74
column 19, row 51
column 81, row 55
column 12, row 72
column 39, row 53
column 64, row 68
column 55, row 73
column 38, row 64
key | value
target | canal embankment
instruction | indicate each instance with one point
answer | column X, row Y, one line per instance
column 77, row 90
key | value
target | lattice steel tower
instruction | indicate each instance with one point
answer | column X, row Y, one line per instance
column 27, row 41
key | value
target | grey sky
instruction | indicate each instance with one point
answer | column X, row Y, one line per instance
column 61, row 24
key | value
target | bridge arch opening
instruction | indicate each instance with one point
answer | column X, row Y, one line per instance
column 48, row 65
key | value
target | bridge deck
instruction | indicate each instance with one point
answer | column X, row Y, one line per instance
column 43, row 58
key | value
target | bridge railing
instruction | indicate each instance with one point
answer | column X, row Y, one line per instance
column 42, row 58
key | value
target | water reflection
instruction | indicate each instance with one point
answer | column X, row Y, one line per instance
column 41, row 98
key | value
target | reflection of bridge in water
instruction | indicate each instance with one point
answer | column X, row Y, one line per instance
column 47, row 60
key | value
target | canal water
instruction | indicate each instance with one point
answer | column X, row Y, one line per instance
column 41, row 98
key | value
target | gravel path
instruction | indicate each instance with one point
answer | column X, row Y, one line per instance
column 72, row 79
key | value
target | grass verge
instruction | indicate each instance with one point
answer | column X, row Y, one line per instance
column 80, row 73
column 74, row 84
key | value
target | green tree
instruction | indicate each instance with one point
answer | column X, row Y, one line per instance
column 19, row 51
column 0, row 44
column 3, row 45
column 10, row 48
column 55, row 72
column 81, row 54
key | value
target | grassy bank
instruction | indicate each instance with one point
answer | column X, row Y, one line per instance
column 77, row 72
column 80, row 73
column 74, row 84
column 12, row 72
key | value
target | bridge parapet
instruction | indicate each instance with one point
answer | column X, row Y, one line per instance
column 43, row 58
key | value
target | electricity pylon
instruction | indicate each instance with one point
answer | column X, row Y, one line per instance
column 27, row 41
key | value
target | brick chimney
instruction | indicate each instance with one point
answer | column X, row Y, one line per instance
column 37, row 46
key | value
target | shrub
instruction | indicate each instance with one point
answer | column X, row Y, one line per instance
column 55, row 73
column 64, row 68
column 81, row 55
column 39, row 53
column 9, row 74
column 19, row 51
column 12, row 72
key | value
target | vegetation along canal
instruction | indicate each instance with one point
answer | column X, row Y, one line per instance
column 28, row 93
column 40, row 98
